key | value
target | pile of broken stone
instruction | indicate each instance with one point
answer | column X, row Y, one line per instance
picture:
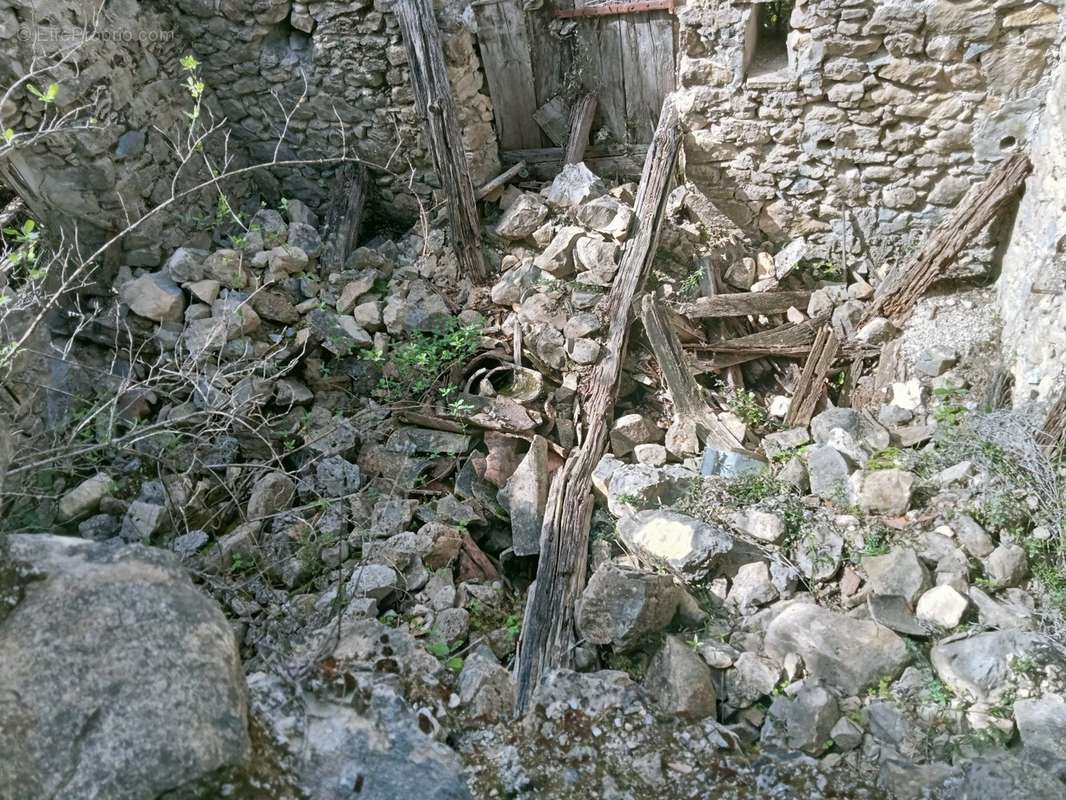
column 389, row 549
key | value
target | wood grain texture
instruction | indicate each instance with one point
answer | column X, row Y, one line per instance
column 506, row 58
column 905, row 286
column 647, row 69
column 553, row 117
column 599, row 62
column 345, row 216
column 548, row 627
column 811, row 384
column 581, row 118
column 743, row 304
column 436, row 106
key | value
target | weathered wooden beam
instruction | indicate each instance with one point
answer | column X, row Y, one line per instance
column 812, row 380
column 554, row 119
column 581, row 117
column 501, row 180
column 546, row 162
column 904, row 287
column 548, row 627
column 436, row 105
column 345, row 216
column 743, row 304
column 614, row 9
column 690, row 404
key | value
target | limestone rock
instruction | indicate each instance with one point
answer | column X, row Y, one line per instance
column 373, row 580
column 1007, row 565
column 110, row 710
column 974, row 539
column 828, row 471
column 899, row 572
column 622, row 607
column 680, row 683
column 840, row 651
column 156, row 297
column 639, row 486
column 270, row 494
column 802, row 722
column 762, row 525
column 525, row 496
column 982, row 666
column 574, row 185
column 633, row 429
column 683, row 543
column 1042, row 726
column 752, row 587
column 606, row 215
column 887, row 491
column 524, row 216
column 85, row 498
column 942, row 606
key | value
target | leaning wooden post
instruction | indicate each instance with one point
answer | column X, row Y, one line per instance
column 548, row 626
column 436, row 105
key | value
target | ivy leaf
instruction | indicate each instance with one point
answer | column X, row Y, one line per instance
column 455, row 664
column 439, row 649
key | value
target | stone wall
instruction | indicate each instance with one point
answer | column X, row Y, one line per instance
column 881, row 113
column 1032, row 285
column 257, row 56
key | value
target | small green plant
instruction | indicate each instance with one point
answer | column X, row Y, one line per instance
column 747, row 407
column 875, row 542
column 241, row 564
column 937, row 691
column 824, row 270
column 417, row 364
column 446, row 653
column 691, row 282
column 1023, row 665
column 48, row 95
column 25, row 239
column 755, row 486
column 950, row 412
column 888, row 458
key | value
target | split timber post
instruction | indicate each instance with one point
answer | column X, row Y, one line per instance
column 433, row 96
column 548, row 626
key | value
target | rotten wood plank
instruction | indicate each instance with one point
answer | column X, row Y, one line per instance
column 599, row 56
column 501, row 180
column 505, row 55
column 581, row 118
column 743, row 304
column 345, row 216
column 905, row 286
column 647, row 69
column 690, row 404
column 609, row 9
column 548, row 627
column 554, row 119
column 611, row 160
column 811, row 384
column 436, row 105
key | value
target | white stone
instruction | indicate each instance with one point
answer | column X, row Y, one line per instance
column 942, row 606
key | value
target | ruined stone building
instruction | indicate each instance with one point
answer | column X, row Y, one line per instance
column 855, row 124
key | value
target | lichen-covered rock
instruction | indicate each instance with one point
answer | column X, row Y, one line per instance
column 623, row 607
column 136, row 690
column 681, row 542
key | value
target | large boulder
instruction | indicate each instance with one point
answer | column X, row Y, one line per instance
column 681, row 542
column 622, row 607
column 118, row 677
column 986, row 667
column 842, row 652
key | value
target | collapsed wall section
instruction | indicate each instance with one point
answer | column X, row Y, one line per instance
column 878, row 113
column 257, row 58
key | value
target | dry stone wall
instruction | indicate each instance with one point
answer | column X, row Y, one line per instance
column 1033, row 281
column 257, row 56
column 872, row 121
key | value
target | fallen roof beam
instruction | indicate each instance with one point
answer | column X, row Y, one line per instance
column 548, row 626
column 743, row 304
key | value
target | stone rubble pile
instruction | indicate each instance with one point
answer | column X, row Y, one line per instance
column 815, row 592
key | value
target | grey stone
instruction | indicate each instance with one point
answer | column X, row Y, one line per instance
column 973, row 537
column 574, row 185
column 524, row 216
column 634, row 487
column 525, row 496
column 337, row 477
column 557, row 258
column 226, row 267
column 85, row 498
column 486, row 690
column 186, row 265
column 633, row 429
column 935, row 361
column 802, row 722
column 605, row 215
column 828, row 472
column 680, row 683
column 982, row 666
column 143, row 521
column 846, row 734
column 752, row 677
column 752, row 587
column 654, row 455
column 377, row 581
column 762, row 525
column 899, row 572
column 1005, row 776
column 379, row 749
column 823, row 424
column 848, row 654
column 1042, row 727
column 99, row 527
column 596, row 694
column 1002, row 615
column 942, row 606
column 271, row 494
column 391, row 515
column 773, row 444
column 729, row 463
column 623, row 607
column 109, row 710
column 685, row 544
column 155, row 296
column 189, row 543
column 306, row 238
column 1007, row 565
column 426, row 440
column 894, row 613
column 887, row 491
